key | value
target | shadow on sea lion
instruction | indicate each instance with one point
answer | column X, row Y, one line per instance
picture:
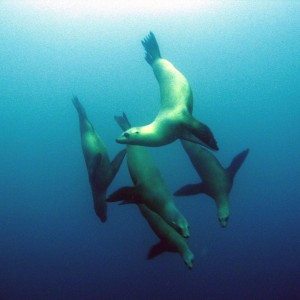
column 149, row 186
column 100, row 170
column 216, row 181
column 174, row 119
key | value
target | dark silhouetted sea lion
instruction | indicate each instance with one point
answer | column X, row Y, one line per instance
column 216, row 181
column 174, row 119
column 100, row 170
column 149, row 187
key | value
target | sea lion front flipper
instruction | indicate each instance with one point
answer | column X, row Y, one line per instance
column 191, row 189
column 157, row 249
column 128, row 194
column 200, row 131
column 188, row 136
column 237, row 162
column 116, row 163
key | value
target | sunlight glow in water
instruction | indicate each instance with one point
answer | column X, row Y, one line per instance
column 77, row 8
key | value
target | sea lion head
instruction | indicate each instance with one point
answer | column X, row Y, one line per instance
column 130, row 136
column 182, row 226
column 223, row 211
column 100, row 207
column 223, row 221
column 223, row 217
column 188, row 258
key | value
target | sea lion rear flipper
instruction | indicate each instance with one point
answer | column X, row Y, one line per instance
column 123, row 122
column 191, row 189
column 151, row 47
column 85, row 124
column 200, row 131
column 80, row 109
column 128, row 194
column 237, row 162
column 116, row 163
column 157, row 249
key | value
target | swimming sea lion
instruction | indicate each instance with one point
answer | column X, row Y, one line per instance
column 100, row 170
column 149, row 187
column 174, row 119
column 170, row 239
column 216, row 181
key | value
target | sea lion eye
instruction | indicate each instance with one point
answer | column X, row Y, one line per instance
column 126, row 134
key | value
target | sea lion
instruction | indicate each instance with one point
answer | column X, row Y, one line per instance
column 170, row 239
column 216, row 181
column 101, row 171
column 174, row 119
column 149, row 186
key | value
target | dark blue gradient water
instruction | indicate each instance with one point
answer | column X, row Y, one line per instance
column 242, row 60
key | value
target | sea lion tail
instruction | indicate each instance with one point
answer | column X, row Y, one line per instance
column 123, row 122
column 80, row 109
column 237, row 162
column 152, row 49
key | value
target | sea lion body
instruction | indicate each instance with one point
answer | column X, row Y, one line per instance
column 174, row 119
column 216, row 181
column 149, row 186
column 101, row 171
column 170, row 239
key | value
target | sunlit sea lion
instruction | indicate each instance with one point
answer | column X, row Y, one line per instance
column 149, row 187
column 100, row 170
column 174, row 119
column 216, row 181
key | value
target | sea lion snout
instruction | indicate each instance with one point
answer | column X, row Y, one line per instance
column 102, row 215
column 123, row 138
column 130, row 136
column 188, row 258
column 185, row 232
column 101, row 209
column 183, row 228
column 223, row 221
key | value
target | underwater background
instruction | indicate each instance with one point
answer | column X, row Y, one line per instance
column 242, row 59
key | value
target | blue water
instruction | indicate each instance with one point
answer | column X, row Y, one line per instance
column 242, row 60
